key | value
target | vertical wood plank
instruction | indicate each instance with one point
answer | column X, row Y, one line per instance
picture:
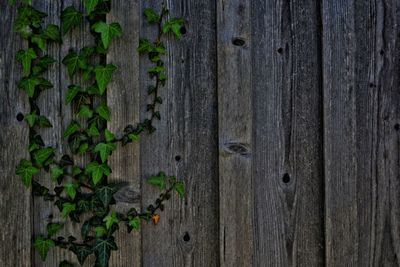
column 187, row 234
column 235, row 132
column 15, row 199
column 287, row 133
column 123, row 97
column 361, row 113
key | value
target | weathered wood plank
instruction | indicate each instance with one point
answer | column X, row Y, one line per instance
column 123, row 97
column 15, row 199
column 235, row 132
column 185, row 143
column 361, row 107
column 287, row 133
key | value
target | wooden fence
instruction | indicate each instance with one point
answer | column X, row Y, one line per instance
column 281, row 116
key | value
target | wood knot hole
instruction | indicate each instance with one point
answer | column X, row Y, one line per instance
column 186, row 237
column 286, row 178
column 178, row 158
column 397, row 126
column 183, row 30
column 238, row 148
column 20, row 117
column 238, row 41
column 280, row 50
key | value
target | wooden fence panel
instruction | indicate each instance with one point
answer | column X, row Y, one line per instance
column 15, row 200
column 287, row 133
column 235, row 132
column 123, row 98
column 361, row 115
column 185, row 143
column 282, row 117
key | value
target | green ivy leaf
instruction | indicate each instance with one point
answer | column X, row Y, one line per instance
column 70, row 18
column 158, row 180
column 105, row 194
column 26, row 57
column 100, row 231
column 71, row 189
column 107, row 31
column 90, row 5
column 102, row 250
column 109, row 135
column 53, row 228
column 29, row 85
column 74, row 62
column 52, row 32
column 151, row 16
column 67, row 209
column 40, row 41
column 135, row 223
column 42, row 155
column 81, row 252
column 97, row 171
column 43, row 122
column 73, row 90
column 31, row 119
column 83, row 148
column 105, row 150
column 93, row 131
column 56, row 173
column 110, row 220
column 26, row 170
column 43, row 246
column 174, row 25
column 179, row 187
column 145, row 46
column 134, row 137
column 104, row 112
column 85, row 112
column 72, row 128
column 103, row 76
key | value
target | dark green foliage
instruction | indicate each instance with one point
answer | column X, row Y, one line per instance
column 85, row 190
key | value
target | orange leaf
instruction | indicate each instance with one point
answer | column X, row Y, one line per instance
column 155, row 219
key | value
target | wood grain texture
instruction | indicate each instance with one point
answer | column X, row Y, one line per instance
column 235, row 132
column 361, row 107
column 15, row 200
column 123, row 98
column 188, row 128
column 287, row 134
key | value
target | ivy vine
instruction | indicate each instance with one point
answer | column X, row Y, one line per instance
column 85, row 190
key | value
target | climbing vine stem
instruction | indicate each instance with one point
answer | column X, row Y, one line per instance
column 84, row 189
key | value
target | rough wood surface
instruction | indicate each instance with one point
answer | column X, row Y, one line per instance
column 361, row 107
column 15, row 200
column 287, row 134
column 123, row 97
column 188, row 129
column 282, row 117
column 235, row 132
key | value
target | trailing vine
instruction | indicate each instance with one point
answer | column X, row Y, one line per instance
column 85, row 190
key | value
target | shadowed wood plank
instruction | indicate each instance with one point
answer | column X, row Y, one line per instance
column 15, row 199
column 123, row 97
column 187, row 234
column 361, row 107
column 287, row 134
column 235, row 132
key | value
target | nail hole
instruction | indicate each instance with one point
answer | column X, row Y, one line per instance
column 397, row 126
column 382, row 52
column 280, row 50
column 20, row 117
column 183, row 30
column 186, row 237
column 178, row 158
column 371, row 85
column 238, row 41
column 286, row 178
